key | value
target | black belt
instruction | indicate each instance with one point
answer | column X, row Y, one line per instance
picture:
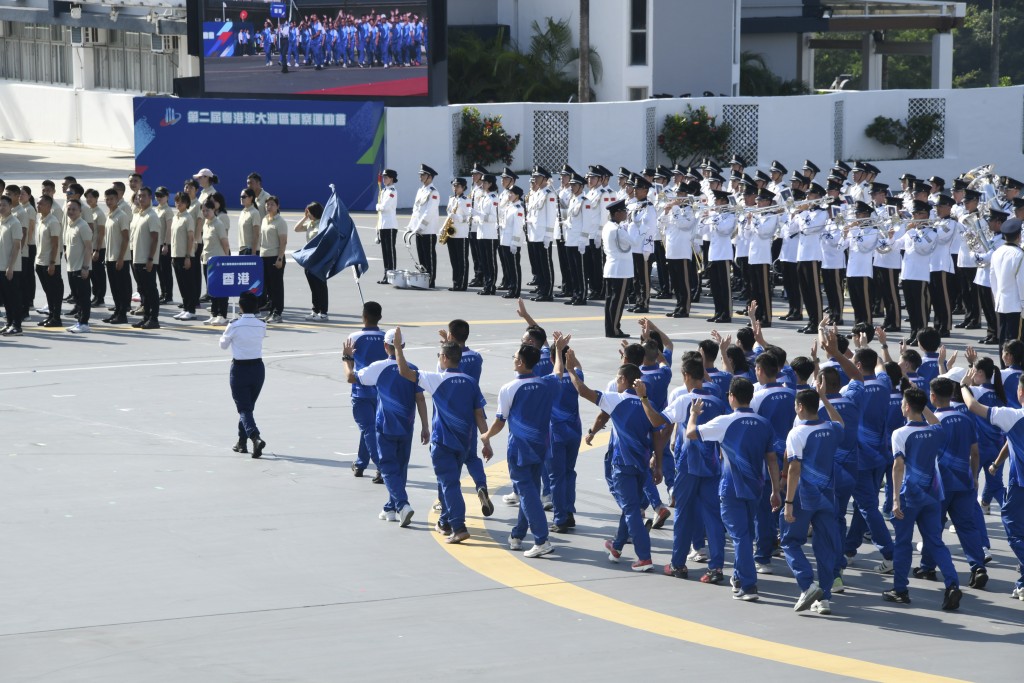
column 247, row 361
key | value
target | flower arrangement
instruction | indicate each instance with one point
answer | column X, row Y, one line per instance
column 692, row 135
column 482, row 139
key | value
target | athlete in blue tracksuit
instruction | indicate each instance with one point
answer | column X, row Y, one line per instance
column 368, row 347
column 1013, row 359
column 916, row 448
column 525, row 404
column 958, row 468
column 745, row 439
column 566, row 432
column 293, row 44
column 458, row 411
column 631, row 458
column 1011, row 422
column 810, row 501
column 698, row 471
column 384, row 42
column 268, row 41
column 333, row 45
column 774, row 402
column 398, row 400
column 306, row 36
column 657, row 376
column 990, row 438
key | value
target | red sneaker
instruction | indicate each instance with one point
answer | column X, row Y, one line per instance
column 613, row 554
column 643, row 566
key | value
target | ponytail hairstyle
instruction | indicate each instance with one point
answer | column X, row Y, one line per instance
column 988, row 367
column 1015, row 350
column 899, row 382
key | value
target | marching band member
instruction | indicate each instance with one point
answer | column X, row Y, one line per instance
column 642, row 215
column 508, row 180
column 983, row 280
column 485, row 222
column 475, row 191
column 942, row 263
column 576, row 236
column 563, row 194
column 833, row 266
column 719, row 226
column 1007, row 278
column 811, row 223
column 861, row 242
column 619, row 238
column 512, row 239
column 762, row 234
column 541, row 217
column 918, row 243
column 887, row 263
column 424, row 222
column 387, row 221
column 460, row 211
column 680, row 227
column 790, row 237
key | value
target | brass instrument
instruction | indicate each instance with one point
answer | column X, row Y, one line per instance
column 977, row 241
column 447, row 230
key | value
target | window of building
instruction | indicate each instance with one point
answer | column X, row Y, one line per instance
column 637, row 32
column 637, row 94
column 127, row 62
column 36, row 53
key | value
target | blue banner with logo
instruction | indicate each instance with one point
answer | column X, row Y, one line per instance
column 231, row 275
column 298, row 146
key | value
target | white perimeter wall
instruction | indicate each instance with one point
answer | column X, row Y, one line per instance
column 983, row 125
column 41, row 113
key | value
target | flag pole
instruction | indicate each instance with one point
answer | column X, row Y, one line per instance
column 355, row 274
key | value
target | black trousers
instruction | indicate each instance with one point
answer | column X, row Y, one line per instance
column 540, row 257
column 574, row 283
column 388, row 250
column 458, row 256
column 146, row 282
column 474, row 251
column 642, row 280
column 941, row 302
column 593, row 262
column 197, row 274
column 11, row 292
column 969, row 295
column 721, row 286
column 487, row 260
column 512, row 268
column 956, row 295
column 246, row 381
column 98, row 276
column 664, row 277
column 761, row 290
column 80, row 290
column 274, row 287
column 890, row 296
column 832, row 278
column 563, row 269
column 791, row 283
column 186, row 282
column 914, row 291
column 861, row 298
column 317, row 292
column 426, row 254
column 988, row 306
column 218, row 304
column 120, row 286
column 615, row 299
column 680, row 271
column 166, row 274
column 1009, row 327
column 808, row 273
column 742, row 272
column 28, row 281
column 53, row 289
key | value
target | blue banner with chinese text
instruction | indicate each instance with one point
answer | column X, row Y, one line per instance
column 228, row 276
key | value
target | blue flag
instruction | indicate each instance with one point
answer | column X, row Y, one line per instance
column 336, row 245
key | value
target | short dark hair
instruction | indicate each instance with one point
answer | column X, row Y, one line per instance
column 655, row 337
column 45, row 199
column 246, row 192
column 868, row 358
column 803, row 367
column 778, row 352
column 190, row 182
column 6, row 198
column 741, row 389
column 254, row 176
column 180, row 197
column 373, row 312
column 76, row 202
column 273, row 198
column 693, row 368
column 75, row 188
column 651, row 351
column 943, row 387
column 208, row 204
column 452, row 351
column 528, row 355
column 630, row 372
column 92, row 194
column 745, row 338
column 768, row 363
column 248, row 302
column 633, row 354
column 912, row 357
column 147, row 190
column 537, row 334
column 863, row 328
column 809, row 399
column 929, row 339
column 316, row 209
column 49, row 183
column 915, row 398
column 843, row 343
column 831, row 379
column 710, row 349
column 117, row 184
column 110, row 192
column 459, row 330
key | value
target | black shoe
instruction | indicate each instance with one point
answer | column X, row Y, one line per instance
column 961, row 325
column 105, row 320
column 579, row 302
column 892, row 328
column 558, row 528
column 973, row 326
column 205, row 299
column 382, row 281
column 951, row 598
column 476, row 282
column 117, row 320
column 486, row 506
column 69, row 298
column 53, row 322
column 714, row 318
column 542, row 299
column 902, row 597
column 241, row 446
column 509, row 295
column 664, row 295
column 959, row 310
column 926, row 574
column 139, row 324
column 741, row 314
column 531, row 283
column 617, row 335
column 570, row 521
column 979, row 578
column 258, row 445
column 357, row 470
column 73, row 312
column 944, row 332
column 378, row 478
column 990, row 340
column 150, row 325
column 639, row 309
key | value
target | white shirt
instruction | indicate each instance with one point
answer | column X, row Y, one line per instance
column 762, row 235
column 720, row 227
column 620, row 239
column 425, row 218
column 812, row 224
column 244, row 337
column 861, row 243
column 679, row 230
column 918, row 245
column 387, row 205
column 1007, row 278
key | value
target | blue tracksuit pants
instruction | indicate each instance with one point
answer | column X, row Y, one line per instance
column 447, row 464
column 394, row 467
column 960, row 506
column 526, row 479
column 826, row 545
column 738, row 516
column 364, row 412
column 628, row 482
column 927, row 517
column 563, row 478
column 697, row 508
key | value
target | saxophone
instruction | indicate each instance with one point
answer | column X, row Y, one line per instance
column 447, row 230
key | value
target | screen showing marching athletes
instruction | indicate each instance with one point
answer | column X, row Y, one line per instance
column 326, row 48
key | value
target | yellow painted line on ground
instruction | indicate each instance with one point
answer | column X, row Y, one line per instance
column 494, row 561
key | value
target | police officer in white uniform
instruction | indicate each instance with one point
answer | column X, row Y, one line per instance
column 946, row 229
column 811, row 223
column 642, row 215
column 718, row 226
column 576, row 236
column 619, row 237
column 541, row 217
column 387, row 221
column 425, row 221
column 486, row 206
column 1007, row 275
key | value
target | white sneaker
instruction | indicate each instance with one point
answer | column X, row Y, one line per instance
column 763, row 568
column 405, row 516
column 515, row 543
column 511, row 498
column 220, row 320
column 1018, row 594
column 838, row 586
column 884, row 567
column 952, row 528
column 538, row 550
column 548, row 504
column 78, row 328
column 210, row 320
column 822, row 607
column 698, row 555
column 313, row 316
column 808, row 597
column 187, row 316
column 388, row 516
column 45, row 310
column 178, row 317
column 322, row 316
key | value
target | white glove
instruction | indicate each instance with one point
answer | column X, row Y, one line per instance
column 583, row 249
column 547, row 243
column 514, row 249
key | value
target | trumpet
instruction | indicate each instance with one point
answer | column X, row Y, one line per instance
column 447, row 230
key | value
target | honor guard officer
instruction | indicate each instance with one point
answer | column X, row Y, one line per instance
column 486, row 207
column 541, row 217
column 460, row 213
column 918, row 244
column 765, row 227
column 594, row 215
column 1007, row 280
column 508, row 180
column 642, row 215
column 659, row 199
column 887, row 262
column 619, row 238
column 387, row 221
column 424, row 221
column 513, row 238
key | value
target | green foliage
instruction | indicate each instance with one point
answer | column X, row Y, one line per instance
column 911, row 135
column 756, row 79
column 496, row 71
column 692, row 135
column 482, row 139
